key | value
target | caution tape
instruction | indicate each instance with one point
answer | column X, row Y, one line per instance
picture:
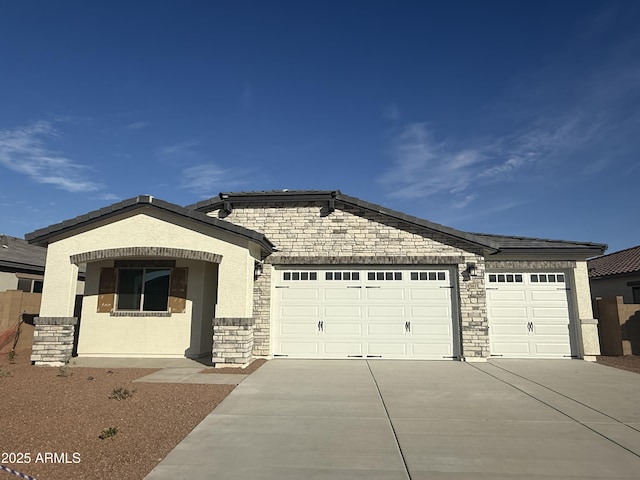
column 16, row 473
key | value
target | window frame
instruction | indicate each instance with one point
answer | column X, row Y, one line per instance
column 144, row 270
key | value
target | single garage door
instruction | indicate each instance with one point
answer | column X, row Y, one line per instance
column 353, row 312
column 529, row 314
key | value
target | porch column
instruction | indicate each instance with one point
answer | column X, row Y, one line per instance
column 53, row 340
column 232, row 342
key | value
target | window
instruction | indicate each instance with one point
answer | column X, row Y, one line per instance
column 426, row 276
column 349, row 276
column 145, row 289
column 29, row 285
column 384, row 276
column 296, row 276
column 505, row 278
column 636, row 294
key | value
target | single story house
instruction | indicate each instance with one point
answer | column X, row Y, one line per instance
column 21, row 265
column 616, row 275
column 307, row 274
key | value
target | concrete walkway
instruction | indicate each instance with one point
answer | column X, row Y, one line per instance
column 294, row 420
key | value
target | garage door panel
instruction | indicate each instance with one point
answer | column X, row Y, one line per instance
column 342, row 311
column 386, row 329
column 343, row 348
column 553, row 349
column 506, row 295
column 295, row 311
column 431, row 330
column 298, row 328
column 434, row 350
column 500, row 314
column 511, row 348
column 549, row 295
column 380, row 311
column 430, row 312
column 301, row 347
column 541, row 313
column 430, row 294
column 386, row 349
column 299, row 294
column 550, row 329
column 509, row 329
column 344, row 293
column 385, row 294
column 345, row 328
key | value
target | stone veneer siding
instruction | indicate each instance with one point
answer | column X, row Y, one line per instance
column 232, row 341
column 352, row 235
column 53, row 340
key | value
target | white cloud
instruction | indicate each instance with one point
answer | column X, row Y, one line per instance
column 24, row 150
column 136, row 126
column 391, row 112
column 183, row 149
column 423, row 167
column 208, row 179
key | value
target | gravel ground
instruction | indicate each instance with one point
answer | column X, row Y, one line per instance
column 47, row 410
column 628, row 362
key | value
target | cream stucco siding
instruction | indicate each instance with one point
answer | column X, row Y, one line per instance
column 179, row 334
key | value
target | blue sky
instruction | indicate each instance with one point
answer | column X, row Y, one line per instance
column 517, row 118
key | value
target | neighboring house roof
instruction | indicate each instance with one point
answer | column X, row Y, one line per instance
column 17, row 254
column 43, row 235
column 616, row 263
column 492, row 243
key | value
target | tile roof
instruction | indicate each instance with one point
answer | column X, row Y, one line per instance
column 617, row 263
column 16, row 253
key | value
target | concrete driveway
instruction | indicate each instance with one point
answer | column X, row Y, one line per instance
column 506, row 419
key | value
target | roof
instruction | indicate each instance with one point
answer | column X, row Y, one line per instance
column 16, row 253
column 493, row 244
column 617, row 263
column 43, row 235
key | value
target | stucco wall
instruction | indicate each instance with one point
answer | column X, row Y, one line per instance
column 309, row 230
column 8, row 281
column 176, row 335
column 614, row 287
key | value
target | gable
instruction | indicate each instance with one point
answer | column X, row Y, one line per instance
column 309, row 228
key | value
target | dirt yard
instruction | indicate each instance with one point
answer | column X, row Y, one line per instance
column 629, row 362
column 52, row 419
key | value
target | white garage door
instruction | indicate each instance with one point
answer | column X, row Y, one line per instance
column 528, row 314
column 352, row 312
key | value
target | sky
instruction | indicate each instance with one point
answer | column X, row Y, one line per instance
column 514, row 118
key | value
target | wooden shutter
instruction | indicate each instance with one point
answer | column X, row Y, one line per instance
column 107, row 290
column 178, row 290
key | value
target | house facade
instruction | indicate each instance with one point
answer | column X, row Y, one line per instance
column 308, row 274
column 616, row 275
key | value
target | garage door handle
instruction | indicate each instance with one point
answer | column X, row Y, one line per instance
column 407, row 326
column 354, row 286
column 530, row 327
column 372, row 286
column 321, row 326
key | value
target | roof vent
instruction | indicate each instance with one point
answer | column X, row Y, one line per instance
column 4, row 241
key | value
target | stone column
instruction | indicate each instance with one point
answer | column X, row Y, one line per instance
column 53, row 340
column 232, row 342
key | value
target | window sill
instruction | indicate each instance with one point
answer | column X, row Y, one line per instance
column 124, row 313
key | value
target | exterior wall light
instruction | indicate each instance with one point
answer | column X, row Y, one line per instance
column 472, row 269
column 257, row 269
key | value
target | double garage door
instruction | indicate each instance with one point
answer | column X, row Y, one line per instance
column 529, row 315
column 356, row 312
